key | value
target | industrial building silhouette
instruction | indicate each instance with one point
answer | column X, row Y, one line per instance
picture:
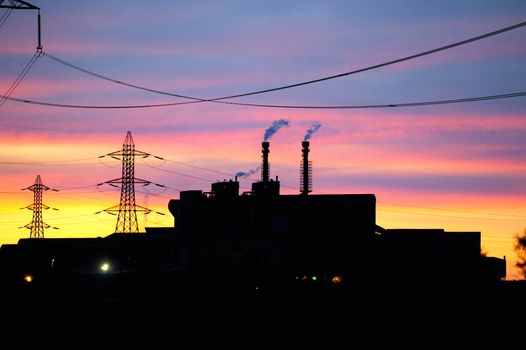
column 257, row 241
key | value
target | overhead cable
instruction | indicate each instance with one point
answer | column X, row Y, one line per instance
column 448, row 216
column 121, row 82
column 453, row 210
column 407, row 58
column 368, row 106
column 5, row 16
column 390, row 105
column 20, row 77
column 376, row 66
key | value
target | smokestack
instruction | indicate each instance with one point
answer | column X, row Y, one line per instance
column 306, row 170
column 265, row 188
column 265, row 171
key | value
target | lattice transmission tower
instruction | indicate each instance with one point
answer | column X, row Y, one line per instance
column 127, row 209
column 37, row 225
column 11, row 5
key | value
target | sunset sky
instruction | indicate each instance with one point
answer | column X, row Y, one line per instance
column 461, row 167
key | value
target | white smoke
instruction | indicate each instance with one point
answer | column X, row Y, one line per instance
column 312, row 130
column 276, row 125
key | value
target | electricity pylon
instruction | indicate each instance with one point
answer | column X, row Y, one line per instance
column 37, row 225
column 11, row 5
column 127, row 210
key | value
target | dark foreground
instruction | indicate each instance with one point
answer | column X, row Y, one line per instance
column 212, row 314
column 109, row 292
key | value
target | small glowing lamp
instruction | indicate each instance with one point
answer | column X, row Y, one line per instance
column 105, row 267
column 337, row 279
column 28, row 278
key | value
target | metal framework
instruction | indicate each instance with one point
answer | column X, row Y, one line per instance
column 17, row 5
column 37, row 225
column 127, row 209
column 306, row 170
column 23, row 5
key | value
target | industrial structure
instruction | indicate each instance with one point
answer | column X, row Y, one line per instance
column 11, row 5
column 332, row 239
column 306, row 170
column 127, row 209
column 256, row 240
column 37, row 225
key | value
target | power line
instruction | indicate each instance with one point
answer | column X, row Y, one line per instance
column 499, row 235
column 55, row 130
column 5, row 16
column 381, row 209
column 448, row 216
column 502, row 240
column 190, row 166
column 89, row 221
column 19, row 78
column 78, row 187
column 146, row 164
column 53, row 163
column 71, row 65
column 456, row 211
column 52, row 104
column 371, row 106
column 515, row 180
column 212, row 170
column 389, row 203
column 93, row 197
column 389, row 105
column 158, row 195
column 177, row 173
column 190, row 176
column 220, row 99
column 407, row 58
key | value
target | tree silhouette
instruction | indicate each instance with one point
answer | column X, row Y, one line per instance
column 520, row 248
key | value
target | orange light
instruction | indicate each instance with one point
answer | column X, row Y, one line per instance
column 28, row 278
column 337, row 279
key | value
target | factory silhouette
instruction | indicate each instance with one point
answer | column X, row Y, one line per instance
column 255, row 242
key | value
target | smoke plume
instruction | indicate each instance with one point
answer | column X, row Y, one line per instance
column 271, row 130
column 248, row 173
column 311, row 131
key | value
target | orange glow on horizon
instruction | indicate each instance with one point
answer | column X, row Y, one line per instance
column 194, row 159
column 456, row 166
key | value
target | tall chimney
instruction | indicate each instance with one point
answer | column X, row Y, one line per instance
column 306, row 170
column 265, row 171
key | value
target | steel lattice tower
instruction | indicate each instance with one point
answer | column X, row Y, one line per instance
column 37, row 225
column 11, row 5
column 127, row 210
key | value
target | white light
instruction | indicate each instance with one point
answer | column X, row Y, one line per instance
column 105, row 267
